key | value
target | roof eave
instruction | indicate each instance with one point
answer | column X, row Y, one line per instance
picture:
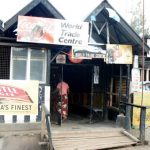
column 28, row 8
column 129, row 30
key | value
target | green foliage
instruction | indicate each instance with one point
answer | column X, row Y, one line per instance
column 137, row 19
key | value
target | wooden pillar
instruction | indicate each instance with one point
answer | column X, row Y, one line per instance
column 92, row 88
column 48, row 70
column 128, row 108
column 120, row 85
column 128, row 118
column 142, row 124
column 128, row 84
column 111, row 91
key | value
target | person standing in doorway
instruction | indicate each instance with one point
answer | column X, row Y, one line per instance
column 62, row 102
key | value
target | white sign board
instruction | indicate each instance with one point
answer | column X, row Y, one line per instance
column 88, row 52
column 52, row 31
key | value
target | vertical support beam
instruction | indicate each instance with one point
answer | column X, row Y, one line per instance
column 62, row 77
column 92, row 89
column 48, row 67
column 128, row 84
column 105, row 100
column 111, row 86
column 107, row 29
column 43, row 125
column 128, row 108
column 128, row 118
column 90, row 34
column 120, row 85
column 142, row 124
column 111, row 91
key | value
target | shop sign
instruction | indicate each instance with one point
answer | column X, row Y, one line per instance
column 61, row 59
column 119, row 54
column 88, row 52
column 136, row 111
column 137, row 86
column 52, row 31
column 18, row 97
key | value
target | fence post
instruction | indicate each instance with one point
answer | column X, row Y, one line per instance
column 128, row 118
column 142, row 124
column 43, row 126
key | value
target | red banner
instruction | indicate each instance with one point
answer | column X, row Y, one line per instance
column 8, row 93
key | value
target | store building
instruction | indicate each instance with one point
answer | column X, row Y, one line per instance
column 94, row 84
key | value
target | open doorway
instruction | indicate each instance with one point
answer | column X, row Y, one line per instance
column 79, row 78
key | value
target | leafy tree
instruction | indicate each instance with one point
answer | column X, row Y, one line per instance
column 137, row 19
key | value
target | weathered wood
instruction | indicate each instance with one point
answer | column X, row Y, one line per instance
column 43, row 143
column 142, row 124
column 111, row 91
column 130, row 136
column 128, row 118
column 90, row 139
column 43, row 126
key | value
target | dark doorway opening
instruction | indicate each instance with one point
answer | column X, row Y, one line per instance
column 79, row 79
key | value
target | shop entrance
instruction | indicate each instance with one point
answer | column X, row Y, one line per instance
column 82, row 90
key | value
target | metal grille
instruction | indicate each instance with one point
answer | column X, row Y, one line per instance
column 4, row 62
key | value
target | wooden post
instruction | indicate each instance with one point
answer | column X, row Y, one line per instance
column 128, row 118
column 128, row 107
column 91, row 107
column 120, row 86
column 142, row 124
column 128, row 84
column 107, row 30
column 43, row 126
column 62, row 77
column 111, row 91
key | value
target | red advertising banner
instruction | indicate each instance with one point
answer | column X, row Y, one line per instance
column 18, row 97
column 10, row 93
column 52, row 31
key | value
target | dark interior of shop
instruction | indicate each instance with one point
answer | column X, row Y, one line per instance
column 83, row 90
column 79, row 78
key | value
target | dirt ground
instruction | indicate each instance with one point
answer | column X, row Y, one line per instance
column 20, row 142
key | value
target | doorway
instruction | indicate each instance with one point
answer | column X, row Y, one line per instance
column 79, row 78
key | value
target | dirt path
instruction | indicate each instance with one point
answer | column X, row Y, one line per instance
column 24, row 142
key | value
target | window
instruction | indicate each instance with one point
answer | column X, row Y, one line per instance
column 28, row 64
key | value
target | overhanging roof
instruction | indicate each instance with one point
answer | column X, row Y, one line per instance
column 1, row 28
column 37, row 8
column 119, row 31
